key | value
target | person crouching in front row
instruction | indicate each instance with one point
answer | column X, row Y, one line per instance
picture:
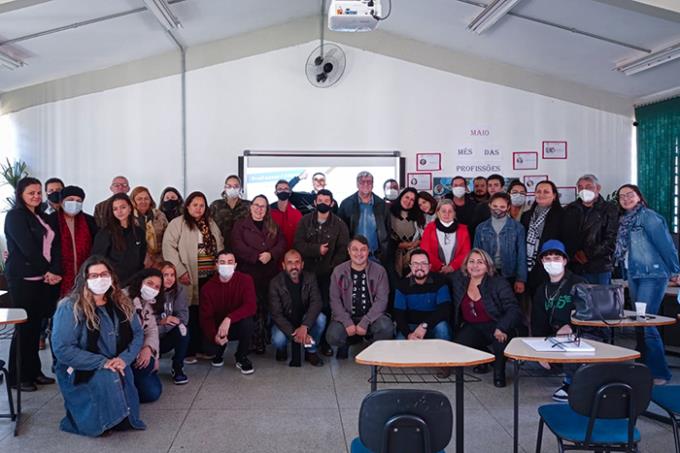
column 96, row 337
column 295, row 307
column 227, row 311
column 358, row 297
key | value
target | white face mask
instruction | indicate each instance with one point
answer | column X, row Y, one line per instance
column 446, row 224
column 72, row 207
column 148, row 293
column 232, row 192
column 458, row 192
column 553, row 268
column 518, row 199
column 226, row 270
column 99, row 285
column 391, row 194
column 586, row 195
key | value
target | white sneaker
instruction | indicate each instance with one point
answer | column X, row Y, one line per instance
column 561, row 395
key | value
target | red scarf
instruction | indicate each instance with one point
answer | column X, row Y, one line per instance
column 83, row 243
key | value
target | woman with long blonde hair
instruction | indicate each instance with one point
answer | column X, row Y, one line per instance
column 95, row 339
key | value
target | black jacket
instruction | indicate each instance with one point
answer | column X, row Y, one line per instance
column 597, row 230
column 24, row 234
column 465, row 214
column 125, row 262
column 349, row 212
column 499, row 300
column 309, row 236
column 281, row 302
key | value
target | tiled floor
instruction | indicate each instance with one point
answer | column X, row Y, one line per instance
column 282, row 409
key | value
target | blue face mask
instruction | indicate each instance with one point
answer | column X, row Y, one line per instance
column 72, row 207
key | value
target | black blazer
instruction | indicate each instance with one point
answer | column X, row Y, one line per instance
column 24, row 234
column 125, row 262
column 498, row 298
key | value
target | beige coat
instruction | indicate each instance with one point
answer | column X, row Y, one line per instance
column 180, row 247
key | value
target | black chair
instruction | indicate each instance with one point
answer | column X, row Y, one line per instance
column 668, row 398
column 404, row 421
column 605, row 400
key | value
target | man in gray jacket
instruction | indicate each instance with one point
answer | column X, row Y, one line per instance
column 358, row 298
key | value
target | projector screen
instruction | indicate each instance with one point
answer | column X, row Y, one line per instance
column 259, row 170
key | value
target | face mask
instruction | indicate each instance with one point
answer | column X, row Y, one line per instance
column 169, row 205
column 518, row 199
column 232, row 192
column 458, row 192
column 553, row 268
column 226, row 270
column 72, row 207
column 148, row 293
column 283, row 196
column 446, row 224
column 323, row 208
column 99, row 285
column 391, row 194
column 498, row 213
column 586, row 195
column 54, row 197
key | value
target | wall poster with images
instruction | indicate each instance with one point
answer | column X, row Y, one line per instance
column 525, row 160
column 419, row 181
column 554, row 150
column 566, row 194
column 428, row 162
column 530, row 181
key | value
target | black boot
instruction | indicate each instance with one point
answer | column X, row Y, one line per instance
column 343, row 352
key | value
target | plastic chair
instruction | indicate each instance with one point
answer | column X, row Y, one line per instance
column 404, row 421
column 605, row 400
column 667, row 397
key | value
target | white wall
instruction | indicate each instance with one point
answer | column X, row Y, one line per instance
column 265, row 102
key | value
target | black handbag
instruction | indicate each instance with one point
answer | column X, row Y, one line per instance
column 598, row 302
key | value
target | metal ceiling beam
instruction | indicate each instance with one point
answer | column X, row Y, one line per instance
column 15, row 5
column 563, row 27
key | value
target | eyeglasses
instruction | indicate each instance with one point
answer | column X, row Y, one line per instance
column 94, row 275
column 259, row 206
column 366, row 182
column 627, row 196
column 118, row 185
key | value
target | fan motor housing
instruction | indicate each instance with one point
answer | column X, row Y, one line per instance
column 353, row 15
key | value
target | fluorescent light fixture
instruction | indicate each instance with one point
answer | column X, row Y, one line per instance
column 491, row 14
column 9, row 62
column 164, row 15
column 652, row 60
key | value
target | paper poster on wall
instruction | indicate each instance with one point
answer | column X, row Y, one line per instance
column 419, row 181
column 442, row 186
column 567, row 194
column 531, row 197
column 428, row 161
column 554, row 150
column 530, row 181
column 525, row 160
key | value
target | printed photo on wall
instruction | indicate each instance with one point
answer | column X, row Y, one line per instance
column 525, row 160
column 530, row 181
column 531, row 197
column 419, row 181
column 554, row 150
column 441, row 186
column 566, row 194
column 428, row 161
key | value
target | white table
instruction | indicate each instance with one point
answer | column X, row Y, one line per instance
column 425, row 353
column 519, row 352
column 14, row 316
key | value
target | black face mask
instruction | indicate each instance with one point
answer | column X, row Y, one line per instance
column 54, row 197
column 169, row 205
column 323, row 208
column 283, row 196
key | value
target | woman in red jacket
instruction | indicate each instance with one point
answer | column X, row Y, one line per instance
column 446, row 241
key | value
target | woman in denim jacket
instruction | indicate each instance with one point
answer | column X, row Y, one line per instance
column 503, row 239
column 646, row 252
column 96, row 337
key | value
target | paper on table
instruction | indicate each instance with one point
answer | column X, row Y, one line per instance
column 553, row 344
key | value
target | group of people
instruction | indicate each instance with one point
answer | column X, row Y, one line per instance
column 306, row 274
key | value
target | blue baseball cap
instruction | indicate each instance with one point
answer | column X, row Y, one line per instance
column 553, row 245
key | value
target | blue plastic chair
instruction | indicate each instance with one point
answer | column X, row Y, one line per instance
column 605, row 400
column 667, row 397
column 404, row 421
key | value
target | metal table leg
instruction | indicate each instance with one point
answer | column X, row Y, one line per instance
column 374, row 378
column 515, row 414
column 18, row 362
column 460, row 388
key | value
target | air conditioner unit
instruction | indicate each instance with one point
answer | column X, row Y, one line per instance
column 354, row 15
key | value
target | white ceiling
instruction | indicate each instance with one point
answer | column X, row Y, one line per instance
column 535, row 47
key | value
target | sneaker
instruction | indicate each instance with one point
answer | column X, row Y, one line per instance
column 244, row 365
column 178, row 376
column 202, row 356
column 561, row 395
column 190, row 360
column 217, row 362
column 313, row 359
column 281, row 355
column 342, row 353
column 660, row 381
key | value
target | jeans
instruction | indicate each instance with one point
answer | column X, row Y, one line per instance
column 441, row 331
column 148, row 383
column 180, row 343
column 598, row 278
column 651, row 291
column 381, row 329
column 280, row 340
